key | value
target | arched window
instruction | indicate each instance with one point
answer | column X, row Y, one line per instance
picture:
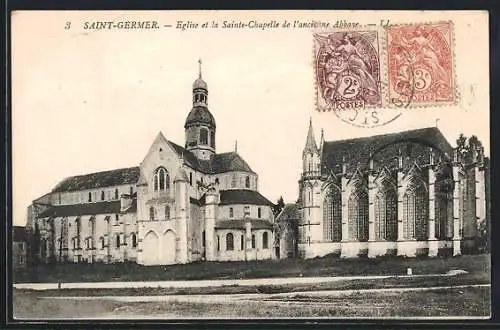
column 242, row 242
column 386, row 214
column 102, row 242
column 415, row 213
column 134, row 240
column 116, row 193
column 265, row 240
column 90, row 197
column 259, row 212
column 117, row 241
column 203, row 136
column 167, row 212
column 332, row 216
column 444, row 209
column 151, row 213
column 218, row 243
column 212, row 139
column 229, row 242
column 161, row 179
column 358, row 215
column 216, row 180
column 78, row 232
column 102, row 195
column 247, row 182
column 231, row 212
column 190, row 178
column 203, row 239
column 253, row 241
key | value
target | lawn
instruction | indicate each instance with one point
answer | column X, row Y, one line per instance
column 471, row 302
column 326, row 266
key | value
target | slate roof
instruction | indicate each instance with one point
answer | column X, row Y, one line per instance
column 199, row 115
column 240, row 224
column 106, row 207
column 110, row 178
column 19, row 234
column 358, row 149
column 242, row 196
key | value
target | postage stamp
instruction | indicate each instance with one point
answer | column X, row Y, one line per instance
column 347, row 66
column 420, row 64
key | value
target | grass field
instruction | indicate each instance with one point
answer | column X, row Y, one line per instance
column 464, row 302
column 326, row 266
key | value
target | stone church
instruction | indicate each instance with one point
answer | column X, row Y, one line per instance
column 181, row 204
column 408, row 193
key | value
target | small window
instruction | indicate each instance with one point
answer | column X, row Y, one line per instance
column 134, row 240
column 247, row 182
column 265, row 240
column 253, row 241
column 216, row 180
column 102, row 195
column 242, row 242
column 229, row 242
column 102, row 243
column 116, row 193
column 231, row 212
column 131, row 191
column 212, row 139
column 167, row 212
column 191, row 179
column 90, row 197
column 218, row 243
column 259, row 212
column 203, row 239
column 118, row 241
column 151, row 213
column 204, row 136
column 247, row 211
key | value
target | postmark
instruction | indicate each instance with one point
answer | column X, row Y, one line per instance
column 420, row 64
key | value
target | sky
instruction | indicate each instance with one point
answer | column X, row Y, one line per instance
column 86, row 101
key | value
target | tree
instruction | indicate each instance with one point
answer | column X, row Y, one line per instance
column 279, row 206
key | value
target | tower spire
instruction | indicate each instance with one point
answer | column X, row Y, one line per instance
column 199, row 68
column 310, row 141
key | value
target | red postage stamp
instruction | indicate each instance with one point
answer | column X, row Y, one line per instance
column 420, row 64
column 347, row 66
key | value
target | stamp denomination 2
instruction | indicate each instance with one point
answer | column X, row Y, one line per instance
column 347, row 68
column 420, row 63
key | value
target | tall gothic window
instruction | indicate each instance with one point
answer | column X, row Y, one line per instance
column 443, row 213
column 332, row 216
column 203, row 136
column 358, row 215
column 78, row 232
column 415, row 213
column 151, row 213
column 161, row 179
column 229, row 242
column 386, row 214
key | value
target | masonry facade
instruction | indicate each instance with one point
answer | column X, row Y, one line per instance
column 408, row 193
column 181, row 204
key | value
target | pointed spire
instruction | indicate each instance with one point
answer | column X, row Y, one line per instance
column 199, row 68
column 310, row 141
column 236, row 146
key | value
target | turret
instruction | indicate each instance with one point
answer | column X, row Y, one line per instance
column 311, row 155
column 200, row 124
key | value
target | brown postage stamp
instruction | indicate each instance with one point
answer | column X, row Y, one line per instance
column 420, row 63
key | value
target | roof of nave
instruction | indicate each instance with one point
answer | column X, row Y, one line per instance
column 220, row 163
column 107, row 207
column 240, row 224
column 239, row 196
column 110, row 178
column 358, row 150
column 289, row 213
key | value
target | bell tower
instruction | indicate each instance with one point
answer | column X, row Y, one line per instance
column 200, row 124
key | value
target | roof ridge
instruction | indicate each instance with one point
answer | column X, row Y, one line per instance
column 385, row 134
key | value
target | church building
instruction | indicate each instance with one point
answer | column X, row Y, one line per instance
column 181, row 204
column 408, row 193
